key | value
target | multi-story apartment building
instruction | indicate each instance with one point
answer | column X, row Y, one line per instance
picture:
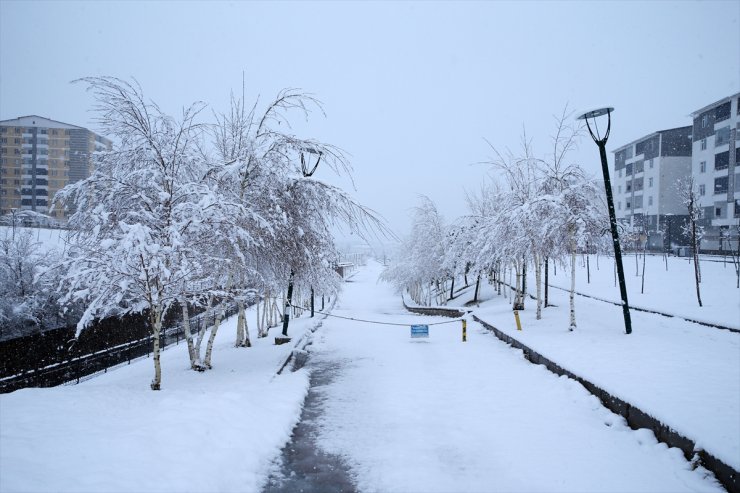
column 716, row 170
column 644, row 184
column 39, row 157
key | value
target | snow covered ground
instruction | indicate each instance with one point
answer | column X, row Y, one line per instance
column 684, row 374
column 46, row 239
column 204, row 432
column 670, row 291
column 443, row 415
column 432, row 415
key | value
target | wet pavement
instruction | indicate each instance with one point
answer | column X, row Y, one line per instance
column 303, row 466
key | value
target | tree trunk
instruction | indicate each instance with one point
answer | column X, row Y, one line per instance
column 240, row 326
column 212, row 337
column 245, row 342
column 697, row 275
column 642, row 288
column 572, row 285
column 518, row 295
column 198, row 364
column 156, row 320
column 188, row 333
column 452, row 288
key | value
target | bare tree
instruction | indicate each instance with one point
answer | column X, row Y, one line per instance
column 690, row 197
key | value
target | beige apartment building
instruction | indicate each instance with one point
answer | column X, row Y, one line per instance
column 39, row 157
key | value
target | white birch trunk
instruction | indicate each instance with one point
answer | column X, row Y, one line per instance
column 198, row 364
column 188, row 333
column 240, row 326
column 156, row 353
column 212, row 337
column 247, row 341
column 260, row 330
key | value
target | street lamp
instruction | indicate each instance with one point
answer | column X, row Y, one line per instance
column 601, row 143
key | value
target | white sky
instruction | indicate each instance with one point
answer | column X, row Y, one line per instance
column 410, row 89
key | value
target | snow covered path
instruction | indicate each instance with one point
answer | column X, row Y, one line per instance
column 442, row 415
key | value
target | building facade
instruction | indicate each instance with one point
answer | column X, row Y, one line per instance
column 716, row 170
column 644, row 185
column 39, row 157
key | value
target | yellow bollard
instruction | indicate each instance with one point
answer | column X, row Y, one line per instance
column 465, row 330
column 518, row 323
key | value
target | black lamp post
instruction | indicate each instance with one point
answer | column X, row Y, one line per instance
column 601, row 143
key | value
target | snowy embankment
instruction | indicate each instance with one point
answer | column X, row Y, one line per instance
column 442, row 415
column 684, row 374
column 46, row 239
column 212, row 431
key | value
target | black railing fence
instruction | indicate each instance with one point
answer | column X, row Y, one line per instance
column 54, row 357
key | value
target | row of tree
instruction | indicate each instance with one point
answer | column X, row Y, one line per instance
column 183, row 211
column 546, row 209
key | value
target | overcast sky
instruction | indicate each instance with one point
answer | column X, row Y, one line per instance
column 411, row 90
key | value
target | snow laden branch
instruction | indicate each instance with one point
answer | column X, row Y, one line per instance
column 204, row 215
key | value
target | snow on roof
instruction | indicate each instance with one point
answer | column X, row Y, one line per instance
column 37, row 121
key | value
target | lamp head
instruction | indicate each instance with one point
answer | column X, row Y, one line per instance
column 592, row 115
column 595, row 113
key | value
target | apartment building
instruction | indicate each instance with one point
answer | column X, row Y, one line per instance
column 716, row 170
column 644, row 185
column 39, row 157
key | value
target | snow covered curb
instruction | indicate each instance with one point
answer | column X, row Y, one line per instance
column 299, row 355
column 438, row 311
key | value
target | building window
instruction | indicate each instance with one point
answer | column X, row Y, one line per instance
column 737, row 205
column 722, row 160
column 650, row 200
column 718, row 212
column 704, row 121
column 722, row 112
column 619, row 206
column 704, row 144
column 628, row 169
column 703, row 167
column 620, row 173
column 722, row 136
column 720, row 185
column 627, row 205
column 650, row 182
column 619, row 189
column 651, row 163
column 702, row 190
column 628, row 187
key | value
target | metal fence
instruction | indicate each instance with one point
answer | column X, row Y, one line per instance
column 82, row 367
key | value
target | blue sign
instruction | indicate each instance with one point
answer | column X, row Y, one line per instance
column 419, row 331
